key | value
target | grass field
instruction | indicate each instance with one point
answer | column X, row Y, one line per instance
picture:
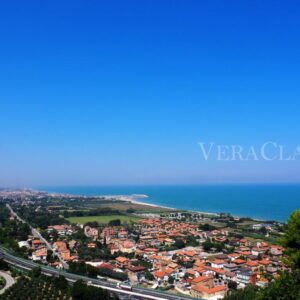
column 102, row 219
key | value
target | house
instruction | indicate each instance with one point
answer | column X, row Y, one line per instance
column 62, row 230
column 91, row 245
column 72, row 244
column 239, row 261
column 161, row 276
column 201, row 279
column 253, row 265
column 258, row 251
column 126, row 246
column 91, row 232
column 168, row 242
column 36, row 244
column 60, row 246
column 264, row 263
column 276, row 250
column 24, row 244
column 230, row 267
column 200, row 291
column 136, row 273
column 122, row 262
column 262, row 282
column 65, row 255
column 246, row 276
column 218, row 263
column 122, row 233
column 233, row 256
column 39, row 255
column 245, row 242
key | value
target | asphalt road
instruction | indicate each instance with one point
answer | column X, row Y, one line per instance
column 9, row 281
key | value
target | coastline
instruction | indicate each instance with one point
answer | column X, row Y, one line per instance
column 132, row 199
column 171, row 208
column 240, row 202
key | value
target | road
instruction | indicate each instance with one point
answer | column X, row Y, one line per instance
column 136, row 292
column 38, row 235
column 9, row 281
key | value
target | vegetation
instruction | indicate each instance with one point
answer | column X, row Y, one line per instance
column 39, row 287
column 208, row 245
column 103, row 219
column 81, row 291
column 207, row 227
column 248, row 293
column 2, row 282
column 39, row 218
column 291, row 240
column 104, row 211
column 11, row 231
column 31, row 288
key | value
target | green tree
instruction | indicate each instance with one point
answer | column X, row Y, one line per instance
column 149, row 276
column 232, row 285
column 291, row 240
column 248, row 293
column 116, row 222
column 179, row 244
column 286, row 287
column 61, row 282
column 171, row 280
column 36, row 272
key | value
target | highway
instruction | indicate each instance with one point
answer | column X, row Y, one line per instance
column 136, row 292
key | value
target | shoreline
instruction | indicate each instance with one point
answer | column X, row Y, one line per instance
column 136, row 199
column 132, row 199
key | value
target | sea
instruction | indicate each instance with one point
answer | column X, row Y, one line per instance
column 263, row 202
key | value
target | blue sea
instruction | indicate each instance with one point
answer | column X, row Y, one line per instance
column 266, row 202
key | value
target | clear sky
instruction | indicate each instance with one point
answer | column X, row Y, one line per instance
column 121, row 92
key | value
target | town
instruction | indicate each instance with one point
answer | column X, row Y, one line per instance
column 205, row 256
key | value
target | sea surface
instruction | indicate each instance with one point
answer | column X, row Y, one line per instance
column 266, row 202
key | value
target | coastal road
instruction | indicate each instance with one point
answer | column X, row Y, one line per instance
column 9, row 281
column 139, row 293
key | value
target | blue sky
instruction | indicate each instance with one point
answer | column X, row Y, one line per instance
column 121, row 92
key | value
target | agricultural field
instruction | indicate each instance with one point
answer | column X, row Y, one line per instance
column 103, row 219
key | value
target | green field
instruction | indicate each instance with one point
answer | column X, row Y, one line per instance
column 102, row 219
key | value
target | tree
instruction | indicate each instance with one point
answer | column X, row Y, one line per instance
column 149, row 276
column 291, row 240
column 81, row 291
column 248, row 293
column 171, row 280
column 78, row 290
column 179, row 244
column 206, row 227
column 36, row 272
column 61, row 282
column 232, row 285
column 116, row 222
column 286, row 287
column 3, row 265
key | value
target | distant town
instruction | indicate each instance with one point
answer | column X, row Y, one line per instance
column 198, row 255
